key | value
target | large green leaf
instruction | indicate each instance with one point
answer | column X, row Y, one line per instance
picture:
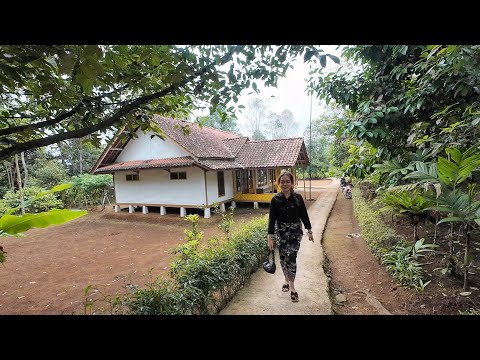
column 54, row 189
column 11, row 224
column 451, row 219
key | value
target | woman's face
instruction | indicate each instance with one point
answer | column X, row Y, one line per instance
column 285, row 183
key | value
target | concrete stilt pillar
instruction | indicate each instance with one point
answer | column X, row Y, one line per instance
column 255, row 205
column 207, row 213
column 116, row 208
column 222, row 207
column 131, row 209
column 234, row 205
column 183, row 212
column 145, row 209
column 162, row 210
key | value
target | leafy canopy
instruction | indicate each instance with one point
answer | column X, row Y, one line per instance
column 52, row 93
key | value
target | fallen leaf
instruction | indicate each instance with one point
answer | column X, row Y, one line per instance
column 465, row 293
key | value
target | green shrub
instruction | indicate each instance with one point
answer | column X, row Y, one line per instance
column 204, row 280
column 165, row 297
column 45, row 203
column 374, row 231
column 88, row 190
column 392, row 250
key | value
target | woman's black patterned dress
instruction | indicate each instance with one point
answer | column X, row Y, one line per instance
column 285, row 221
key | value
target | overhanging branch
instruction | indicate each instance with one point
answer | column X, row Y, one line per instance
column 59, row 118
column 116, row 117
column 53, row 121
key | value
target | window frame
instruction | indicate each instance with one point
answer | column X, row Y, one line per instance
column 178, row 175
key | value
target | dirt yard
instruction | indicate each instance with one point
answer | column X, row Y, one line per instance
column 47, row 271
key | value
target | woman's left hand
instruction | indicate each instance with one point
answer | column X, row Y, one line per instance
column 310, row 237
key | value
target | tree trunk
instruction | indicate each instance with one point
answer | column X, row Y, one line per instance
column 416, row 220
column 25, row 170
column 80, row 159
column 450, row 239
column 11, row 181
column 466, row 259
column 19, row 183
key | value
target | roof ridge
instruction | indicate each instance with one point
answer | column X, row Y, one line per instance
column 202, row 126
column 292, row 138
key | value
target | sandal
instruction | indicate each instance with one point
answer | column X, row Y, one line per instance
column 285, row 287
column 294, row 296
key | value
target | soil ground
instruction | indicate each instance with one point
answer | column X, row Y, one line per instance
column 47, row 271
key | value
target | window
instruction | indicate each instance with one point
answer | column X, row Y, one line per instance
column 182, row 175
column 221, row 183
column 132, row 177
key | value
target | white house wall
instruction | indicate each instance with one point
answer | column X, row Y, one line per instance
column 147, row 147
column 156, row 188
column 212, row 186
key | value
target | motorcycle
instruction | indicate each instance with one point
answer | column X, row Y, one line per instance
column 346, row 188
column 347, row 191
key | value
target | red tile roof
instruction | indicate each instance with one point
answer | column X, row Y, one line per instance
column 147, row 164
column 220, row 164
column 270, row 153
column 202, row 142
column 216, row 149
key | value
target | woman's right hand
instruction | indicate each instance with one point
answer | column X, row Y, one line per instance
column 270, row 242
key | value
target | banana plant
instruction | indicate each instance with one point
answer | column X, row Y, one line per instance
column 13, row 225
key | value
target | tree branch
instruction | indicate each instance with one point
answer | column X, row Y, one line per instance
column 59, row 118
column 53, row 121
column 116, row 117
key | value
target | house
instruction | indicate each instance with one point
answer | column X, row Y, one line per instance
column 197, row 169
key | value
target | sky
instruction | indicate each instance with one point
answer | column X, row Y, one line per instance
column 290, row 94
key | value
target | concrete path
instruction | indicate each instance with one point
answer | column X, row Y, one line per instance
column 262, row 293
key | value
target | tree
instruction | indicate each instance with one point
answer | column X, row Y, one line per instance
column 323, row 148
column 51, row 93
column 258, row 135
column 78, row 155
column 215, row 120
column 281, row 126
column 256, row 114
column 407, row 96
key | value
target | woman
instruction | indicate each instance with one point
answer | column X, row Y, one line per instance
column 287, row 208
